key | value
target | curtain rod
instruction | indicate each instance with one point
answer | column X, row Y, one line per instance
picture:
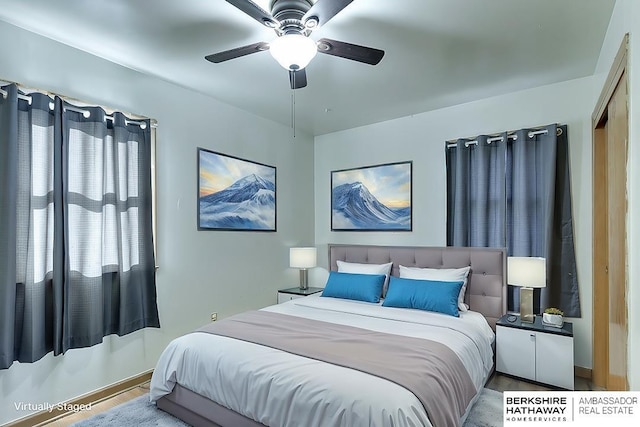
column 85, row 113
column 511, row 135
column 20, row 96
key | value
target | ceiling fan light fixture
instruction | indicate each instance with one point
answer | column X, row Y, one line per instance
column 293, row 51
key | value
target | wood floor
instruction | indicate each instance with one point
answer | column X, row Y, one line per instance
column 497, row 382
column 501, row 382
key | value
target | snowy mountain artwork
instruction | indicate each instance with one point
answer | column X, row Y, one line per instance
column 372, row 198
column 235, row 194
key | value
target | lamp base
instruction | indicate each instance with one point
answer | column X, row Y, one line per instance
column 304, row 279
column 526, row 305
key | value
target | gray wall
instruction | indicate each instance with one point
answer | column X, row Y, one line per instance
column 421, row 138
column 200, row 271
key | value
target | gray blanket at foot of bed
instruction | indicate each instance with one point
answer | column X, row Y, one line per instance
column 430, row 370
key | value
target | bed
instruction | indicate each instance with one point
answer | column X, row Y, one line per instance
column 232, row 378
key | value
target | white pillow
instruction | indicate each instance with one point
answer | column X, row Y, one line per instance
column 442, row 275
column 357, row 268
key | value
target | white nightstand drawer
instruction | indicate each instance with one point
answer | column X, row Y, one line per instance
column 516, row 352
column 554, row 360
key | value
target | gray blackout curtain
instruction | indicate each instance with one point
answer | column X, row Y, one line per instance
column 514, row 192
column 76, row 242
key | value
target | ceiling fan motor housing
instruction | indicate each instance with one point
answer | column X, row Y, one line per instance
column 289, row 13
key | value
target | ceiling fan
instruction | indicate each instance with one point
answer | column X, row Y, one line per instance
column 293, row 21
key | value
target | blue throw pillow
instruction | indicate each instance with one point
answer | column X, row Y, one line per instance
column 361, row 287
column 428, row 295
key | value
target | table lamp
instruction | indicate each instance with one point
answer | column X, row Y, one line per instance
column 303, row 258
column 527, row 273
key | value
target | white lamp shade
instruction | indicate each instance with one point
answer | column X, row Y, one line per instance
column 293, row 51
column 302, row 257
column 530, row 272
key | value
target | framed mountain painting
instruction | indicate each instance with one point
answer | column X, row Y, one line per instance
column 235, row 194
column 372, row 198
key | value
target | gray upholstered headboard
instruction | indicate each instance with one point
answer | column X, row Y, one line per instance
column 486, row 287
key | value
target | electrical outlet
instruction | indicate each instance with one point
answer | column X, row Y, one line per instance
column 214, row 317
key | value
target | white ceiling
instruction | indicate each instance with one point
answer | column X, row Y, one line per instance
column 438, row 52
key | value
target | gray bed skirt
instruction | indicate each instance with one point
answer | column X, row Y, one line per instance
column 200, row 411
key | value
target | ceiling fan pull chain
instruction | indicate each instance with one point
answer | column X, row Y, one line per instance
column 293, row 109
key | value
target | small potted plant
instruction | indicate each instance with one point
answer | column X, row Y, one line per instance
column 553, row 317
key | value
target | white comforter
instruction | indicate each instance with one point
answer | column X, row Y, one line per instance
column 280, row 389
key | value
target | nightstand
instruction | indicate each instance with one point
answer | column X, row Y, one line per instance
column 294, row 293
column 535, row 351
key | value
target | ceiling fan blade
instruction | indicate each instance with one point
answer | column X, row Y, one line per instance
column 255, row 11
column 298, row 79
column 367, row 55
column 324, row 10
column 237, row 52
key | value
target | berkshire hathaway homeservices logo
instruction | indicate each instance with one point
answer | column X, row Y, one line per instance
column 573, row 408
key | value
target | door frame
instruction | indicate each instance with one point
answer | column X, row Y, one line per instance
column 600, row 342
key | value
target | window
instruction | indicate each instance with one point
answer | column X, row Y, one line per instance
column 513, row 191
column 77, row 223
